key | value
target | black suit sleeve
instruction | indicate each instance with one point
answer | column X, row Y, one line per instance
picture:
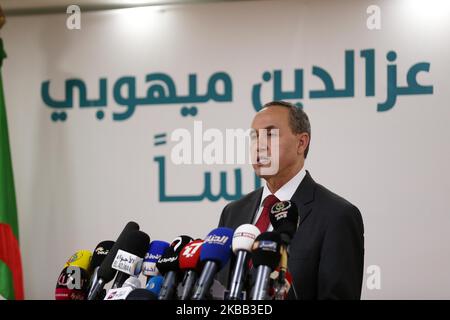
column 342, row 256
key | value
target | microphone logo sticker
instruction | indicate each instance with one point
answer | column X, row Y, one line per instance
column 118, row 294
column 266, row 245
column 191, row 249
column 281, row 215
column 152, row 257
column 213, row 239
column 149, row 268
column 243, row 234
column 280, row 206
column 76, row 256
column 101, row 251
column 168, row 259
column 127, row 262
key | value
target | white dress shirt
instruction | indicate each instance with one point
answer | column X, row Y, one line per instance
column 284, row 193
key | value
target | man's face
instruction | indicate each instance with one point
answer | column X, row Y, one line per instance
column 275, row 120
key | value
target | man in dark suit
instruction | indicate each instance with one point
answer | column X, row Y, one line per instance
column 327, row 252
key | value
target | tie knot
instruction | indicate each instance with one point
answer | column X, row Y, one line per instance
column 269, row 201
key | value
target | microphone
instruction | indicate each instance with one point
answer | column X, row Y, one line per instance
column 189, row 262
column 141, row 294
column 129, row 285
column 100, row 252
column 243, row 239
column 215, row 253
column 284, row 218
column 72, row 284
column 81, row 258
column 169, row 267
column 73, row 280
column 155, row 251
column 132, row 282
column 106, row 273
column 154, row 284
column 265, row 256
column 280, row 290
column 130, row 256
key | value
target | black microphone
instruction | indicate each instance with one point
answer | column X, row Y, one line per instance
column 105, row 272
column 265, row 256
column 168, row 266
column 284, row 218
column 100, row 253
column 141, row 294
column 130, row 257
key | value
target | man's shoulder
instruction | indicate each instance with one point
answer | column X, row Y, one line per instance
column 333, row 204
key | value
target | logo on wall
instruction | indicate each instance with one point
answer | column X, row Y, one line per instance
column 161, row 90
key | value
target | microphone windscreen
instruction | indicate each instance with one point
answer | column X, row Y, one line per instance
column 81, row 258
column 284, row 219
column 72, row 284
column 266, row 250
column 155, row 251
column 243, row 237
column 169, row 260
column 106, row 272
column 136, row 243
column 132, row 282
column 141, row 294
column 100, row 253
column 190, row 255
column 154, row 284
column 130, row 256
column 217, row 246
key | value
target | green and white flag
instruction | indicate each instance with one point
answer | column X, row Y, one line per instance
column 11, row 279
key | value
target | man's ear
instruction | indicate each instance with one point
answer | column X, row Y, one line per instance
column 303, row 142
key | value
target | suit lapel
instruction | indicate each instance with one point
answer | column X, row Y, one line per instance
column 251, row 207
column 304, row 196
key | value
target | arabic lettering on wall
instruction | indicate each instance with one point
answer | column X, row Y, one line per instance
column 162, row 89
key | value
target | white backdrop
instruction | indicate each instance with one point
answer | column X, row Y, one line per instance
column 79, row 181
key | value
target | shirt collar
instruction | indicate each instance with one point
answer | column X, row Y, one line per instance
column 287, row 190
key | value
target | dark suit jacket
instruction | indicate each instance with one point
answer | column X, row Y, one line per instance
column 327, row 251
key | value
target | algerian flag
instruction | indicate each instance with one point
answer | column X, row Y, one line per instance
column 11, row 280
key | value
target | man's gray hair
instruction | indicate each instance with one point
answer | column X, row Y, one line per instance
column 298, row 119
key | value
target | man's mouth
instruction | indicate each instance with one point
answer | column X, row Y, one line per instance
column 261, row 160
